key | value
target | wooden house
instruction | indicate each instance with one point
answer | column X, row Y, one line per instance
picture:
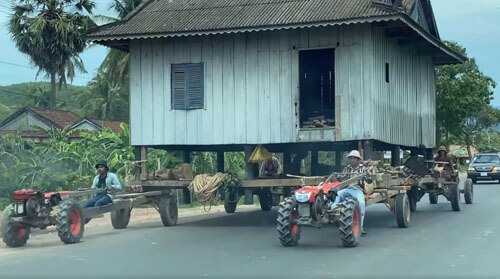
column 292, row 75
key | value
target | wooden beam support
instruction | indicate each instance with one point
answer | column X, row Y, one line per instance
column 338, row 161
column 220, row 161
column 314, row 162
column 395, row 156
column 368, row 151
column 144, row 163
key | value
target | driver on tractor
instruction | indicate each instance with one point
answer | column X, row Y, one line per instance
column 355, row 191
column 104, row 180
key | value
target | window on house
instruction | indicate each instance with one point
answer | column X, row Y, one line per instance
column 187, row 86
column 387, row 72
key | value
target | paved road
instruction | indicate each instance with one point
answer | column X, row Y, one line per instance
column 440, row 243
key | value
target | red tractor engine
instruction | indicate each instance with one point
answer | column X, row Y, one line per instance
column 312, row 202
column 29, row 203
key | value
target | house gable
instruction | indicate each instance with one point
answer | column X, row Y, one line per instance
column 27, row 120
column 86, row 124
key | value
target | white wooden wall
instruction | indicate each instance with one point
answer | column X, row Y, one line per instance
column 252, row 87
column 405, row 107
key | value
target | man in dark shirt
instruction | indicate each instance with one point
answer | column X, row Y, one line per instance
column 444, row 158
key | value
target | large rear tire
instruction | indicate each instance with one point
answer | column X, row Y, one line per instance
column 402, row 210
column 266, row 199
column 288, row 229
column 350, row 223
column 433, row 198
column 455, row 197
column 120, row 218
column 230, row 202
column 168, row 210
column 69, row 222
column 13, row 234
column 469, row 191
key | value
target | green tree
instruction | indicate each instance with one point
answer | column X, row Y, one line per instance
column 462, row 90
column 4, row 112
column 104, row 99
column 52, row 33
column 479, row 122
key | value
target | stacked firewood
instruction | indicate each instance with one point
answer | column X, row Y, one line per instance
column 318, row 122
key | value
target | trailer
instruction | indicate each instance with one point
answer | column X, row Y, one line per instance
column 268, row 190
column 34, row 209
column 434, row 181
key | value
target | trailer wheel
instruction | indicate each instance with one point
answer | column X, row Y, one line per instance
column 288, row 229
column 168, row 210
column 402, row 210
column 69, row 222
column 120, row 218
column 13, row 234
column 266, row 199
column 468, row 191
column 433, row 198
column 350, row 223
column 455, row 197
column 230, row 202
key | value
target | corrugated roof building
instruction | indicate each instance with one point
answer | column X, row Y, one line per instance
column 281, row 72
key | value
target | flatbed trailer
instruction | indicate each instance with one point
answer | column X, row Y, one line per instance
column 269, row 190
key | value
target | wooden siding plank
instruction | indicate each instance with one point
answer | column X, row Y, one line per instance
column 169, row 114
column 252, row 93
column 158, row 95
column 285, row 95
column 274, row 93
column 218, row 120
column 228, row 90
column 135, row 93
column 147, row 92
column 239, row 88
column 294, row 69
column 207, row 130
column 355, row 90
column 264, row 108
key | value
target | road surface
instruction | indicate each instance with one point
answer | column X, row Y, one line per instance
column 439, row 243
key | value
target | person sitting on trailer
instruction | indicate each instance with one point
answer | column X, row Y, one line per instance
column 270, row 167
column 354, row 191
column 444, row 158
column 104, row 180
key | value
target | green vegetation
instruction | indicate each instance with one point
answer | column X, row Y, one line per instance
column 463, row 102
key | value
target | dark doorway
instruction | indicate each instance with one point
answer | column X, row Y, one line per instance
column 317, row 88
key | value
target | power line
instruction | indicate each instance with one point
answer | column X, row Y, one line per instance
column 33, row 68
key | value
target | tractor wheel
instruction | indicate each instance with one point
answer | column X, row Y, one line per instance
column 266, row 199
column 230, row 202
column 402, row 210
column 455, row 197
column 350, row 223
column 468, row 191
column 288, row 229
column 433, row 198
column 168, row 210
column 13, row 234
column 120, row 218
column 69, row 222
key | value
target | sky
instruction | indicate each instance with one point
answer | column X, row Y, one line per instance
column 475, row 24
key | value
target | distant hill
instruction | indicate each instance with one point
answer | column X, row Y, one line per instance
column 13, row 96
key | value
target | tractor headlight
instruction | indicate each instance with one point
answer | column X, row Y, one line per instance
column 302, row 197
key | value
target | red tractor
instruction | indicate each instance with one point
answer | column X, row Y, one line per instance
column 33, row 209
column 309, row 207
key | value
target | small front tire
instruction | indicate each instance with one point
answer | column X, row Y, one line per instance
column 469, row 191
column 402, row 210
column 288, row 229
column 13, row 234
column 168, row 210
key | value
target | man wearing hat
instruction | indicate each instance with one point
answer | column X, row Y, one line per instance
column 104, row 180
column 443, row 157
column 354, row 191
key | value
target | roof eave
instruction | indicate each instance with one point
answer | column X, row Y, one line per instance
column 452, row 56
column 105, row 39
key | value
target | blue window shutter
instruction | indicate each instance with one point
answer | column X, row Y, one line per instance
column 179, row 86
column 195, row 96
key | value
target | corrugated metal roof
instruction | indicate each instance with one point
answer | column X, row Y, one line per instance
column 191, row 16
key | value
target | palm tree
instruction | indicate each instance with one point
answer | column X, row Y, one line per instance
column 104, row 99
column 52, row 33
